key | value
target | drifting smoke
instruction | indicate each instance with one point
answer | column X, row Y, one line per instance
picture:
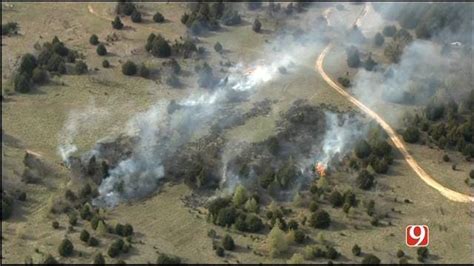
column 341, row 133
column 139, row 174
column 424, row 72
column 78, row 121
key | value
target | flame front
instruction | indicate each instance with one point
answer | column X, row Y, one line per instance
column 320, row 169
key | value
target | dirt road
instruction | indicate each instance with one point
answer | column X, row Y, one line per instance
column 448, row 193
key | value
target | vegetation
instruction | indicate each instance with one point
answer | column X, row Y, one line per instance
column 228, row 242
column 218, row 47
column 101, row 50
column 411, row 135
column 115, row 248
column 117, row 23
column 49, row 260
column 356, row 250
column 94, row 39
column 320, row 219
column 84, row 236
column 66, row 248
column 277, row 241
column 99, row 259
column 158, row 46
column 389, row 31
column 365, row 180
column 345, row 82
column 10, row 28
column 370, row 259
column 125, row 8
column 378, row 39
column 136, row 16
column 257, row 25
column 55, row 224
column 80, row 68
column 168, row 259
column 129, row 68
column 353, row 59
column 158, row 18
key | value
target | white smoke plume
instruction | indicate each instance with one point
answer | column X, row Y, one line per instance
column 79, row 121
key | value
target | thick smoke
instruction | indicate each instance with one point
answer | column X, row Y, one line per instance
column 424, row 71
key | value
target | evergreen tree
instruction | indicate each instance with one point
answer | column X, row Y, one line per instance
column 158, row 18
column 94, row 39
column 101, row 50
column 117, row 23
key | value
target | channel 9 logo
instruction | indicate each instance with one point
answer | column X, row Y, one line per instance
column 417, row 235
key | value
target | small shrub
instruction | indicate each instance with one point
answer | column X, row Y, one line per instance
column 362, row 149
column 84, row 236
column 105, row 64
column 411, row 135
column 49, row 260
column 94, row 40
column 423, row 252
column 99, row 259
column 320, row 219
column 129, row 68
column 158, row 18
column 378, row 39
column 336, row 199
column 228, row 242
column 80, row 67
column 331, row 253
column 69, row 195
column 22, row 196
column 257, row 25
column 299, row 236
column 365, row 180
column 115, row 248
column 117, row 23
column 93, row 242
column 22, row 83
column 66, row 248
column 220, row 251
column 168, row 259
column 55, row 224
column 356, row 250
column 389, row 31
column 446, row 158
column 101, row 50
column 370, row 259
column 136, row 16
column 218, row 47
column 400, row 253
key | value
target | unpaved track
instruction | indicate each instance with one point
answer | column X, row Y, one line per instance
column 446, row 192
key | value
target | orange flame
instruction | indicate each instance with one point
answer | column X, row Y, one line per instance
column 320, row 169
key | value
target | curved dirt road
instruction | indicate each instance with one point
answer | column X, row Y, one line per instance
column 446, row 192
